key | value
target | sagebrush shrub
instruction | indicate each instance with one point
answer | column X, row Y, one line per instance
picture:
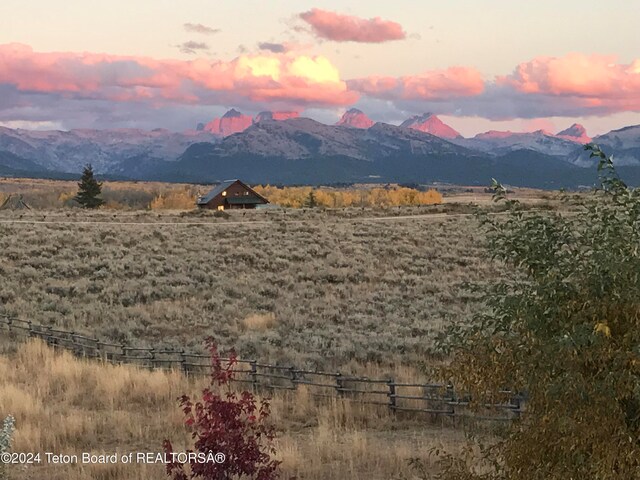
column 6, row 436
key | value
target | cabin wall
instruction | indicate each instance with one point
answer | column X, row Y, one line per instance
column 214, row 203
column 234, row 190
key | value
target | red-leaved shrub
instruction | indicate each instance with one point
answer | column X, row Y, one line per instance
column 231, row 424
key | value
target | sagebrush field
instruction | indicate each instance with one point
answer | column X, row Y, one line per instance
column 315, row 288
column 282, row 289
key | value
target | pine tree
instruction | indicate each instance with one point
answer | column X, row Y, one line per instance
column 311, row 201
column 89, row 190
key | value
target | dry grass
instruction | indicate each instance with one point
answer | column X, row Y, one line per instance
column 66, row 405
column 340, row 287
column 63, row 405
column 258, row 321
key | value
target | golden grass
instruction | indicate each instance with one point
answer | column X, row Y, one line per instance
column 257, row 321
column 67, row 405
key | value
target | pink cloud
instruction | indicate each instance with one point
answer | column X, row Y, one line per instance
column 592, row 81
column 41, row 85
column 432, row 85
column 287, row 78
column 347, row 28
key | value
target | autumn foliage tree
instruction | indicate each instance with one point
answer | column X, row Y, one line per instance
column 301, row 197
column 563, row 325
column 228, row 423
column 176, row 199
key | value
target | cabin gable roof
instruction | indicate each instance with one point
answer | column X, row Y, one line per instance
column 217, row 190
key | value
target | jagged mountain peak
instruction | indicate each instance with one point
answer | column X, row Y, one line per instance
column 575, row 133
column 231, row 122
column 423, row 117
column 232, row 114
column 277, row 116
column 355, row 118
column 575, row 129
column 235, row 121
column 430, row 123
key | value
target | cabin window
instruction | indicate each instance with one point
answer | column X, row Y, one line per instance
column 224, row 194
column 220, row 207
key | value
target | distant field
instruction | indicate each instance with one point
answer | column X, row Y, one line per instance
column 310, row 288
column 53, row 194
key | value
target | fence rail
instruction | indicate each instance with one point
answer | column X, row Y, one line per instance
column 428, row 398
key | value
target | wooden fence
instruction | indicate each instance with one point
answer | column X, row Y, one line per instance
column 428, row 398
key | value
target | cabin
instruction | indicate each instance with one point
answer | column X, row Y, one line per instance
column 231, row 194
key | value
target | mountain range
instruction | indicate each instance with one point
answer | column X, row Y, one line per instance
column 282, row 147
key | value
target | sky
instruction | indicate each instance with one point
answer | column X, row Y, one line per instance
column 479, row 64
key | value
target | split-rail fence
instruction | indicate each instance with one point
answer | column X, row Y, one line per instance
column 436, row 399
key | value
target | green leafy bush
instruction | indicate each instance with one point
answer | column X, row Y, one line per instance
column 562, row 325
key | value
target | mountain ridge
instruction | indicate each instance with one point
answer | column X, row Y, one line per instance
column 286, row 147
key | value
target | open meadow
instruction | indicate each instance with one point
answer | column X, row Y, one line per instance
column 66, row 405
column 318, row 288
column 310, row 290
column 359, row 290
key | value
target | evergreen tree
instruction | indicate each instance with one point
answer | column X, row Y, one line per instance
column 89, row 190
column 311, row 201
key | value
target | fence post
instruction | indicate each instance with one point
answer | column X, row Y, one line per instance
column 519, row 402
column 74, row 347
column 152, row 352
column 339, row 384
column 449, row 392
column 31, row 334
column 254, row 375
column 183, row 361
column 294, row 377
column 51, row 340
column 392, row 395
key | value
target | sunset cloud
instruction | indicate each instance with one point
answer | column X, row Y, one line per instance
column 272, row 47
column 88, row 87
column 595, row 82
column 573, row 85
column 192, row 47
column 347, row 28
column 199, row 28
column 290, row 80
column 432, row 85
